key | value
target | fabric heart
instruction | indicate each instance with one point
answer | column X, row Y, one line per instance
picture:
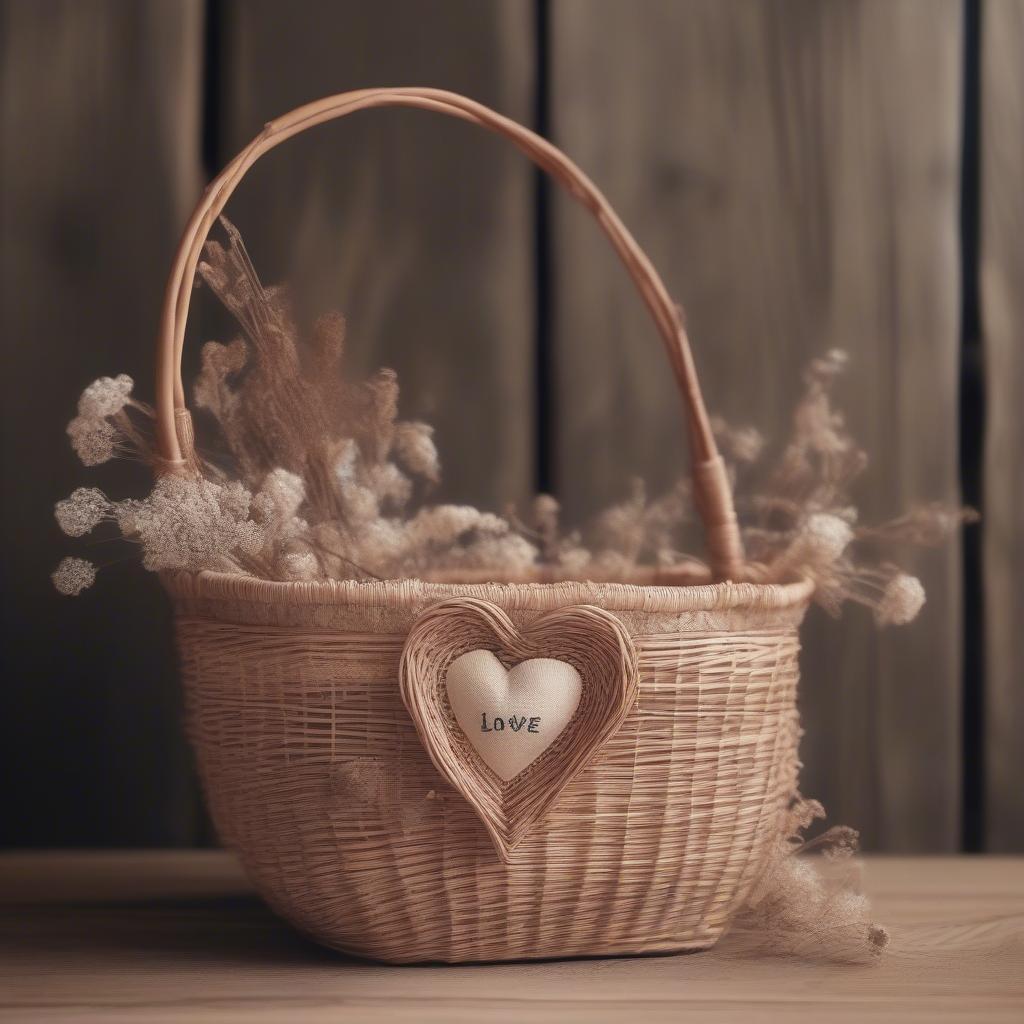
column 572, row 681
column 512, row 716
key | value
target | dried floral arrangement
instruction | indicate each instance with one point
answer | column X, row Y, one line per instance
column 324, row 481
column 802, row 909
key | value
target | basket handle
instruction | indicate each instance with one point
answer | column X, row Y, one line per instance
column 712, row 491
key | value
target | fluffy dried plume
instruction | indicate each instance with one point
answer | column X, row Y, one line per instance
column 415, row 450
column 83, row 511
column 105, row 397
column 811, row 907
column 193, row 524
column 94, row 440
column 901, row 600
column 105, row 427
column 298, row 566
column 73, row 575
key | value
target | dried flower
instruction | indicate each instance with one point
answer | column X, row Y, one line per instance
column 105, row 397
column 821, row 540
column 391, row 487
column 926, row 525
column 798, row 909
column 73, row 575
column 284, row 494
column 103, row 427
column 346, row 461
column 415, row 449
column 574, row 558
column 505, row 552
column 377, row 431
column 301, row 565
column 620, row 529
column 94, row 440
column 83, row 511
column 546, row 510
column 640, row 531
column 232, row 498
column 443, row 525
column 902, row 599
column 826, row 536
column 211, row 389
column 360, row 505
column 191, row 523
column 740, row 444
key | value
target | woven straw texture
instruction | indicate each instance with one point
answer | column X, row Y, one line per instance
column 589, row 639
column 316, row 775
column 361, row 817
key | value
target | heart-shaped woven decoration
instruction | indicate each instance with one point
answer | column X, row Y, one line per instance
column 581, row 643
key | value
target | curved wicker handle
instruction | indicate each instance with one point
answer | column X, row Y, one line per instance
column 711, row 485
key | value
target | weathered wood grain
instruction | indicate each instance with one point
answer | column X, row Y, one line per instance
column 165, row 936
column 793, row 170
column 792, row 167
column 99, row 144
column 1002, row 283
column 418, row 227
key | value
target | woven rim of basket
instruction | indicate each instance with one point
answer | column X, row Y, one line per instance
column 612, row 596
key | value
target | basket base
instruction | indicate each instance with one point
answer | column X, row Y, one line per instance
column 612, row 953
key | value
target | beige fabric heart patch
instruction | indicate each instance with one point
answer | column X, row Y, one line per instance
column 512, row 716
column 561, row 687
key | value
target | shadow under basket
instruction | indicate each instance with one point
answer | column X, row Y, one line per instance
column 317, row 778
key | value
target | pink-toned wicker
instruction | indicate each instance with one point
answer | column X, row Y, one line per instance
column 333, row 764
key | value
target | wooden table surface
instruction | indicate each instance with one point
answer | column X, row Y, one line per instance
column 168, row 936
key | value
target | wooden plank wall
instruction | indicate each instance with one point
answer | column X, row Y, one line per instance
column 419, row 227
column 1002, row 266
column 424, row 223
column 99, row 163
column 792, row 169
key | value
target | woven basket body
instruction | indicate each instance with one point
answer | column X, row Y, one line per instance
column 325, row 737
column 316, row 776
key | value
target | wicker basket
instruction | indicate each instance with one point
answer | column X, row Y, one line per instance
column 334, row 766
